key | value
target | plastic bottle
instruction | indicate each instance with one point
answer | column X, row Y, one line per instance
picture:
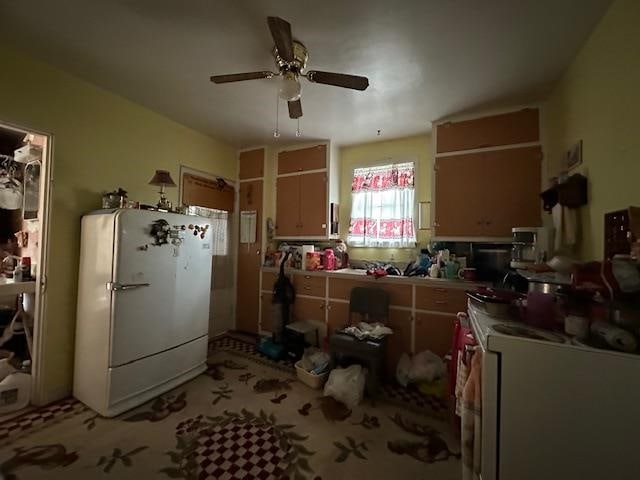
column 15, row 392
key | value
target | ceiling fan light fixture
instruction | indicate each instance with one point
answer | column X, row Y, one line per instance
column 289, row 89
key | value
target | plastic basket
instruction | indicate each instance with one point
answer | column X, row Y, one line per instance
column 311, row 379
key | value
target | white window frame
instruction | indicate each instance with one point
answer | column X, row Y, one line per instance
column 380, row 162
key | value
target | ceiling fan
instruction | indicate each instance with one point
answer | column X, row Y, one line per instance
column 291, row 59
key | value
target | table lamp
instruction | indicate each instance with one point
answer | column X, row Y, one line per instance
column 162, row 179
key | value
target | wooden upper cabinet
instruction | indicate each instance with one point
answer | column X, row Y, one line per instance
column 313, row 204
column 251, row 164
column 288, row 206
column 301, row 160
column 497, row 130
column 485, row 194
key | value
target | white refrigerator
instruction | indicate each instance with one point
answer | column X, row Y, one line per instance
column 143, row 306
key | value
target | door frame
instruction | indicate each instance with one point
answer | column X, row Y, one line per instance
column 233, row 245
column 39, row 395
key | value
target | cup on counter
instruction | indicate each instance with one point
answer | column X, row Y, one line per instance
column 468, row 274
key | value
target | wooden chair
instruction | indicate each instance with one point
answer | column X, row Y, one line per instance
column 370, row 305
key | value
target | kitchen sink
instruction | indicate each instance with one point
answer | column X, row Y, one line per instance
column 524, row 331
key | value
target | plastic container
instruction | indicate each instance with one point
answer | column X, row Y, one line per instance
column 311, row 379
column 329, row 259
column 5, row 367
column 15, row 392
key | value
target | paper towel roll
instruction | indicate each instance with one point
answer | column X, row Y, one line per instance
column 615, row 337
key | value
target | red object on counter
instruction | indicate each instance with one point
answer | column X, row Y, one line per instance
column 25, row 266
column 329, row 259
column 377, row 272
column 596, row 277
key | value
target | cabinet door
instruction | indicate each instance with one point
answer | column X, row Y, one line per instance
column 313, row 204
column 338, row 316
column 434, row 332
column 302, row 159
column 514, row 200
column 309, row 309
column 486, row 194
column 248, row 281
column 266, row 314
column 461, row 185
column 400, row 341
column 504, row 129
column 251, row 164
column 288, row 206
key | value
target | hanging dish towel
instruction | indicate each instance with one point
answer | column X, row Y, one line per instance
column 565, row 222
column 461, row 379
column 471, row 420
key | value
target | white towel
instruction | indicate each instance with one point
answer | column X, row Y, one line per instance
column 565, row 222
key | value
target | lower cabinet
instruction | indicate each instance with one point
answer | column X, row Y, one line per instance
column 338, row 316
column 434, row 331
column 266, row 312
column 310, row 309
column 400, row 341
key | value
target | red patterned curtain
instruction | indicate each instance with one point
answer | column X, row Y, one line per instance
column 383, row 201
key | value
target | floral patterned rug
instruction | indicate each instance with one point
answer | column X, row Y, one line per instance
column 245, row 418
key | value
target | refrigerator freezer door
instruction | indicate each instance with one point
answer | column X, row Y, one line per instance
column 160, row 293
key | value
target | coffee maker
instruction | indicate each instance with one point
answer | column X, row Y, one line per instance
column 530, row 245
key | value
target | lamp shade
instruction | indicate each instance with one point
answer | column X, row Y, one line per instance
column 162, row 178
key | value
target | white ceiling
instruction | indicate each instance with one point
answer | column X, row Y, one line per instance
column 424, row 59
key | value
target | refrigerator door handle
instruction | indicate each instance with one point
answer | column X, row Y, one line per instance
column 114, row 286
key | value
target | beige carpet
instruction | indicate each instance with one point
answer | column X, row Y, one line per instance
column 245, row 419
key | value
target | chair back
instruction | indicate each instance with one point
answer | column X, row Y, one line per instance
column 372, row 304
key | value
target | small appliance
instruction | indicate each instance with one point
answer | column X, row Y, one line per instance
column 530, row 245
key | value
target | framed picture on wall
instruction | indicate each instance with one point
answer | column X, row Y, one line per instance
column 574, row 155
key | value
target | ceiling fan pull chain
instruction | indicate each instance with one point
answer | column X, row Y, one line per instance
column 276, row 132
column 298, row 131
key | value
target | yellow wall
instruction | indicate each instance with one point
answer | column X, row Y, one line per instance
column 416, row 147
column 598, row 100
column 102, row 141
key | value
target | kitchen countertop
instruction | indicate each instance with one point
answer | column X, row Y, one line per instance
column 8, row 286
column 358, row 274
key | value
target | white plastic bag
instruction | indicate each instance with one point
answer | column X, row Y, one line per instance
column 346, row 385
column 426, row 367
column 403, row 370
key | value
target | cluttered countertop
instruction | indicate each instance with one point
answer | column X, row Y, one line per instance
column 361, row 274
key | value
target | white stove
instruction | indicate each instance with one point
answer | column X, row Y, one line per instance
column 552, row 409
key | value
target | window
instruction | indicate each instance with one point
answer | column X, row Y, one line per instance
column 382, row 206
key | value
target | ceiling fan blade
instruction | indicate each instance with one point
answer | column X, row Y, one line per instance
column 239, row 77
column 338, row 79
column 295, row 109
column 281, row 33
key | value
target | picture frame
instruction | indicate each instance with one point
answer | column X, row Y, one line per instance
column 574, row 155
